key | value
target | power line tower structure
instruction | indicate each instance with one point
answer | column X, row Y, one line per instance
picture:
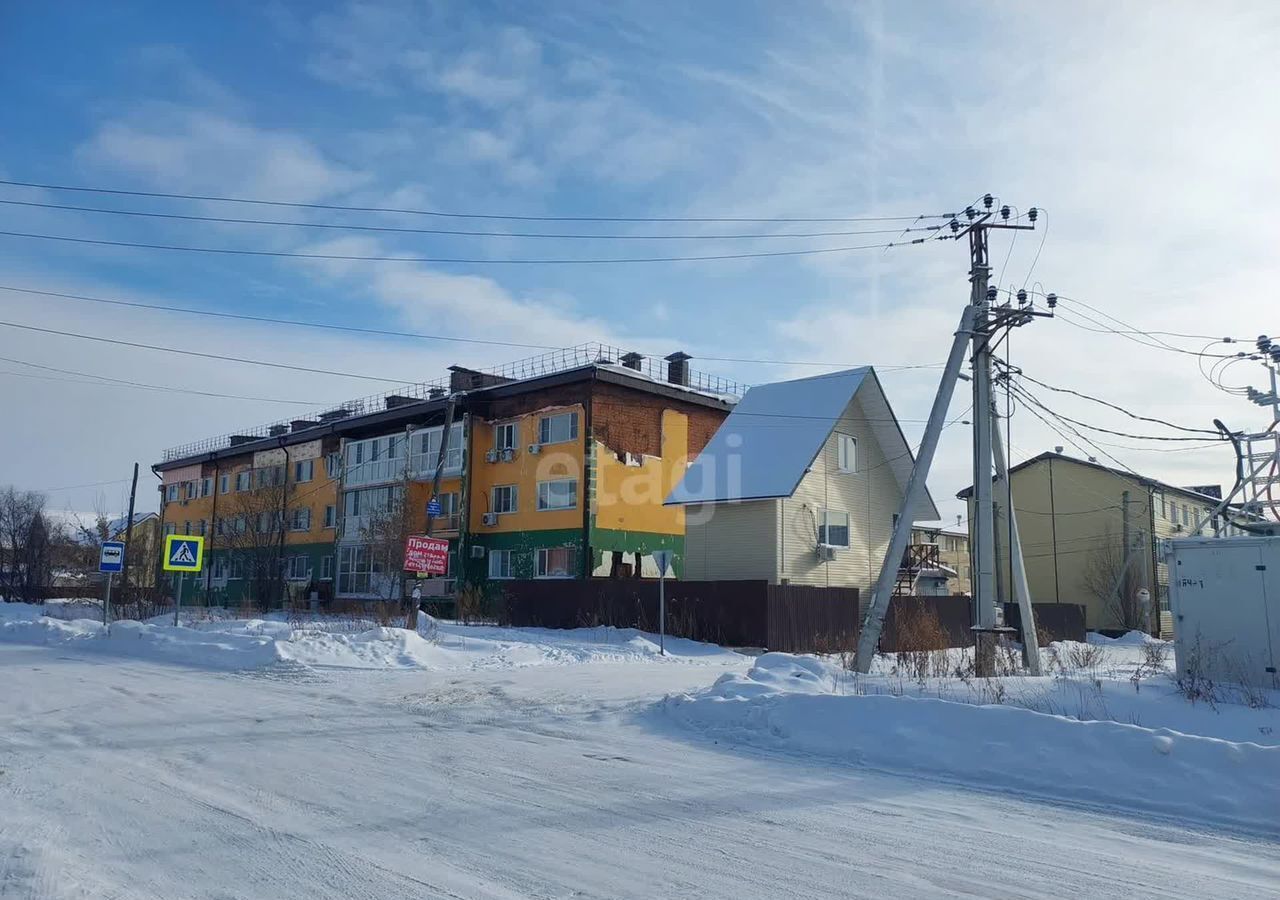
column 982, row 320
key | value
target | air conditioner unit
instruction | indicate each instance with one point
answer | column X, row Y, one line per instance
column 535, row 449
column 826, row 552
column 489, row 519
column 508, row 454
column 491, row 456
column 1177, row 526
column 477, row 552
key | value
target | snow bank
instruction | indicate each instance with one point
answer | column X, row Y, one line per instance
column 788, row 703
column 1128, row 639
column 230, row 643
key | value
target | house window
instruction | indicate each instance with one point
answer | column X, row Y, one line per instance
column 427, row 449
column 304, row 470
column 359, row 570
column 193, row 490
column 1186, row 515
column 499, row 563
column 236, row 568
column 171, row 528
column 561, row 494
column 301, row 519
column 333, row 464
column 558, row 562
column 206, row 487
column 833, row 528
column 330, row 516
column 555, row 429
column 1164, row 512
column 170, row 493
column 326, row 568
column 846, row 453
column 298, row 568
column 244, row 480
column 504, row 499
column 224, row 483
column 271, row 476
column 506, row 436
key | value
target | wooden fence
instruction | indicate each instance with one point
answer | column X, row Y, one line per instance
column 793, row 618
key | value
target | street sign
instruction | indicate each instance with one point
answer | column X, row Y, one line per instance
column 426, row 555
column 183, row 553
column 111, row 557
column 662, row 559
column 433, row 507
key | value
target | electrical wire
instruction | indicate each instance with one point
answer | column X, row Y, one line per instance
column 1025, row 377
column 618, row 260
column 391, row 229
column 454, row 215
column 1029, row 397
column 1044, row 233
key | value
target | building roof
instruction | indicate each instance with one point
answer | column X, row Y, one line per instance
column 770, row 440
column 1143, row 480
column 117, row 526
column 416, row 402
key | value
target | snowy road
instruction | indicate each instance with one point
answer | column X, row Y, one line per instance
column 132, row 779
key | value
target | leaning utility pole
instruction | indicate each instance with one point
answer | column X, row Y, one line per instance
column 983, row 318
column 128, row 537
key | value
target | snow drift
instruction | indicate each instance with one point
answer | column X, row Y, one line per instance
column 787, row 703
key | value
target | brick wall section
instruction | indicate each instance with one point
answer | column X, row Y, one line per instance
column 631, row 421
column 522, row 404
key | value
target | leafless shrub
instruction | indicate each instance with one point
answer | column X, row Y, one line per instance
column 1193, row 681
column 920, row 637
column 1155, row 656
column 1084, row 656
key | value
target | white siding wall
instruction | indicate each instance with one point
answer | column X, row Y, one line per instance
column 871, row 495
column 732, row 541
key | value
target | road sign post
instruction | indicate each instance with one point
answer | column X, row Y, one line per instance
column 183, row 553
column 663, row 560
column 110, row 561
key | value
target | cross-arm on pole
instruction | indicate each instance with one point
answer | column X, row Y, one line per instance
column 870, row 637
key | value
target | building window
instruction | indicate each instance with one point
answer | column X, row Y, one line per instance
column 270, row 476
column 359, row 571
column 330, row 516
column 244, row 480
column 558, row 562
column 206, row 487
column 193, row 490
column 333, row 465
column 504, row 499
column 506, row 436
column 171, row 493
column 186, row 528
column 499, row 563
column 236, row 568
column 426, row 449
column 1164, row 512
column 561, row 494
column 846, row 453
column 833, row 528
column 224, row 483
column 558, row 428
column 201, row 527
column 171, row 528
column 326, row 568
column 301, row 519
column 304, row 470
column 298, row 568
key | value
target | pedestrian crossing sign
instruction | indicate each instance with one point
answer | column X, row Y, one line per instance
column 183, row 553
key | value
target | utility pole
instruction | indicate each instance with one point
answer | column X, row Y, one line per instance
column 983, row 318
column 412, row 623
column 128, row 536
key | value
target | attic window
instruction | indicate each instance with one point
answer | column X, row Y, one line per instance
column 846, row 453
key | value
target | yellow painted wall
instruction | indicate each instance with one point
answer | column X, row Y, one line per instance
column 629, row 497
column 419, row 493
column 559, row 460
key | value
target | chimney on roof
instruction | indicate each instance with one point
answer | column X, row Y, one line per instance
column 463, row 379
column 394, row 400
column 1058, row 449
column 678, row 368
column 277, row 430
column 300, row 424
column 632, row 360
column 334, row 415
column 436, row 393
column 238, row 439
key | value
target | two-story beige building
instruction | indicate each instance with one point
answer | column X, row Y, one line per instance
column 1089, row 535
column 801, row 484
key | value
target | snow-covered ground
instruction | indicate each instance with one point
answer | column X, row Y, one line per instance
column 252, row 758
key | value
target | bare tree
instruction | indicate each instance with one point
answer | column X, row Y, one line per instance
column 1111, row 575
column 26, row 544
column 253, row 533
column 385, row 532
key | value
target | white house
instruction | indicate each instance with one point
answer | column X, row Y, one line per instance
column 801, row 484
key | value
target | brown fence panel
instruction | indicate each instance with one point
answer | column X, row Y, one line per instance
column 804, row 619
column 954, row 614
column 1056, row 621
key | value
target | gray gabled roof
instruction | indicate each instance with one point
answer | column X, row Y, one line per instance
column 765, row 446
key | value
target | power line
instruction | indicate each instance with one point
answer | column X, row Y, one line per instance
column 392, row 229
column 109, row 381
column 619, row 260
column 454, row 215
column 238, row 359
column 1110, row 405
column 387, row 332
column 1031, row 398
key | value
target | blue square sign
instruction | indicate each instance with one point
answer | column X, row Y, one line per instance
column 111, row 559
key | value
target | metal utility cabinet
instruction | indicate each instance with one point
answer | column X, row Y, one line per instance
column 1224, row 594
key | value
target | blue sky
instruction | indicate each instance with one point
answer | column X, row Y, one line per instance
column 1147, row 136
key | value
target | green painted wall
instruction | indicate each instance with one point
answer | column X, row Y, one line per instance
column 524, row 544
column 194, row 591
column 642, row 542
